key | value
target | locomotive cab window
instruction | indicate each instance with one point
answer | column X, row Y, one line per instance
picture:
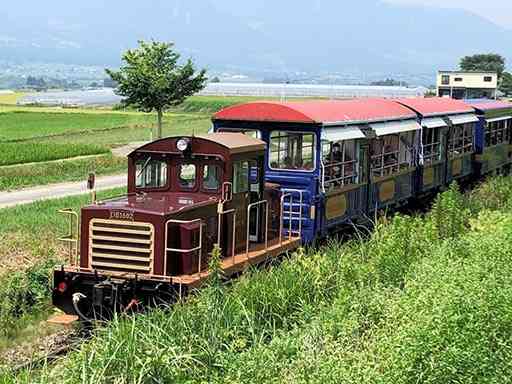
column 241, row 177
column 392, row 153
column 292, row 151
column 211, row 178
column 340, row 163
column 187, row 176
column 150, row 173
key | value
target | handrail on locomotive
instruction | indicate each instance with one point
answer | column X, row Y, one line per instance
column 199, row 248
column 70, row 238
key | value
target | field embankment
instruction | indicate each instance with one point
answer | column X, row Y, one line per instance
column 420, row 300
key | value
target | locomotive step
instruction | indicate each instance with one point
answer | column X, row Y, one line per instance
column 242, row 261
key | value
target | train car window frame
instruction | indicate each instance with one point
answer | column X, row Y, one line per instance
column 497, row 132
column 431, row 145
column 388, row 162
column 343, row 170
column 241, row 173
column 461, row 139
column 190, row 186
column 284, row 139
column 156, row 168
column 205, row 169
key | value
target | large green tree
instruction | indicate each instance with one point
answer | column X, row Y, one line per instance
column 506, row 84
column 152, row 80
column 489, row 62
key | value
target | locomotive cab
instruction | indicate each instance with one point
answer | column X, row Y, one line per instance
column 185, row 195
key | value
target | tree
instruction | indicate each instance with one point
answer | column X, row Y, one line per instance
column 490, row 62
column 506, row 84
column 152, row 80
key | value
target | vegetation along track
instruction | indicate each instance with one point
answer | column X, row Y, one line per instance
column 422, row 297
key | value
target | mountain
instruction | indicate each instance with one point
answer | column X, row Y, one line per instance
column 284, row 35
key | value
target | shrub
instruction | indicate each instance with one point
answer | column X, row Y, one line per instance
column 24, row 293
column 449, row 213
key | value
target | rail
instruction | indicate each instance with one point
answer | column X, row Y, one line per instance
column 181, row 250
column 249, row 208
column 219, row 225
column 70, row 238
column 289, row 193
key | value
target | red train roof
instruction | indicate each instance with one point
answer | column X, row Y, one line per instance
column 318, row 112
column 490, row 105
column 436, row 106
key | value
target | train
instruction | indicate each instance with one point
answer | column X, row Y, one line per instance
column 268, row 178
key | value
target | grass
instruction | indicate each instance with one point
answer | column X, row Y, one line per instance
column 105, row 128
column 40, row 135
column 173, row 125
column 22, row 176
column 22, row 153
column 28, row 252
column 421, row 300
column 21, row 124
column 212, row 104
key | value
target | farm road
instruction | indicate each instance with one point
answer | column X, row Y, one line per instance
column 29, row 195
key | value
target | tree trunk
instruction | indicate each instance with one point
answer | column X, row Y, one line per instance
column 159, row 124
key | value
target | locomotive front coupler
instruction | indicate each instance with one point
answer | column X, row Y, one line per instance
column 114, row 293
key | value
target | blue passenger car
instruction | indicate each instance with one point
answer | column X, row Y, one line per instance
column 493, row 150
column 335, row 162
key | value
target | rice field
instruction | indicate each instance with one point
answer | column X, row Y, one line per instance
column 10, row 98
column 20, row 125
column 16, row 153
column 43, row 135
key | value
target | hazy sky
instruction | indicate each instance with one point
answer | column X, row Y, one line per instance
column 499, row 11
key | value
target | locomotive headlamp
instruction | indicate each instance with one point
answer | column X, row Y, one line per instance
column 182, row 144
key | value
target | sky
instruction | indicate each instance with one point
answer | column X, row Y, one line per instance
column 498, row 11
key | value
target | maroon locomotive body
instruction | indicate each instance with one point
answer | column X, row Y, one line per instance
column 185, row 195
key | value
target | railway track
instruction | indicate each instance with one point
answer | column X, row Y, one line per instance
column 60, row 343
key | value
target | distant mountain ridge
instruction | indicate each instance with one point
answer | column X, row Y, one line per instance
column 284, row 35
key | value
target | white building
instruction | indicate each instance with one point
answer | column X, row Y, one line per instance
column 467, row 85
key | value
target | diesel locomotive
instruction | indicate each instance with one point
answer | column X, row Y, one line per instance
column 270, row 177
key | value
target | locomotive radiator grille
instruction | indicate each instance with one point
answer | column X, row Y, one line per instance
column 120, row 246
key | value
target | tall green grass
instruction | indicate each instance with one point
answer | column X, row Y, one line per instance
column 419, row 301
column 22, row 153
column 28, row 253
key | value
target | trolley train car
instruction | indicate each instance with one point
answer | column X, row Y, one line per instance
column 270, row 177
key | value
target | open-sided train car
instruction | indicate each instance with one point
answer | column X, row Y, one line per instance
column 447, row 141
column 272, row 176
column 493, row 151
column 342, row 159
